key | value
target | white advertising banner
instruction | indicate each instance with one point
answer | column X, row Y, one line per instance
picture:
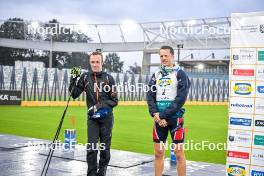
column 245, row 140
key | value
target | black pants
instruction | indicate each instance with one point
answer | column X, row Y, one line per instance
column 99, row 129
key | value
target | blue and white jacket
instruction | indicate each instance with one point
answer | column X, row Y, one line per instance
column 167, row 93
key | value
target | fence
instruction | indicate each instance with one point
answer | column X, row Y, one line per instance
column 44, row 84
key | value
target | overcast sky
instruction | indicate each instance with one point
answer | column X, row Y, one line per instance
column 115, row 11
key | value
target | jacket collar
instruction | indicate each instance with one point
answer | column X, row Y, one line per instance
column 98, row 74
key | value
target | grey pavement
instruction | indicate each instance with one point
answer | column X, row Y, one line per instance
column 19, row 157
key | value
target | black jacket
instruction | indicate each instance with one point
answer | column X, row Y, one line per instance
column 88, row 81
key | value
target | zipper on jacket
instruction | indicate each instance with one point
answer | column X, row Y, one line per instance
column 97, row 91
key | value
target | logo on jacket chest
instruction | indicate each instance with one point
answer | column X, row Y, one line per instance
column 163, row 82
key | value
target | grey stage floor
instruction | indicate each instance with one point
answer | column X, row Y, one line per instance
column 19, row 157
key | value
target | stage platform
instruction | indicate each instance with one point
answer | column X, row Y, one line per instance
column 19, row 157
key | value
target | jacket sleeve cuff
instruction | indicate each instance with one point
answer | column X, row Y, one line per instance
column 162, row 115
column 152, row 114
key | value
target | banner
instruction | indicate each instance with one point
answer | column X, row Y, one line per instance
column 245, row 141
column 10, row 97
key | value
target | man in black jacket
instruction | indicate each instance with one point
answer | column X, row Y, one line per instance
column 100, row 103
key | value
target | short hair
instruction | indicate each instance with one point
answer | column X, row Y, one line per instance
column 97, row 53
column 167, row 47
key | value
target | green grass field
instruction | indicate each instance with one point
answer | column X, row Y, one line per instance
column 132, row 128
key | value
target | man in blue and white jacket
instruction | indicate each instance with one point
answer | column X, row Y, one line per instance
column 168, row 90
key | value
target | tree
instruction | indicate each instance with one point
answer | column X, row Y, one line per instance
column 112, row 63
column 134, row 69
column 13, row 28
column 63, row 59
column 79, row 59
column 16, row 28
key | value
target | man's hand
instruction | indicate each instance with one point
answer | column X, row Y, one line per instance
column 76, row 72
column 92, row 110
column 156, row 117
column 163, row 123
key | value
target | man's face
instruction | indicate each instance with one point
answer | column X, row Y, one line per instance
column 96, row 63
column 166, row 58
